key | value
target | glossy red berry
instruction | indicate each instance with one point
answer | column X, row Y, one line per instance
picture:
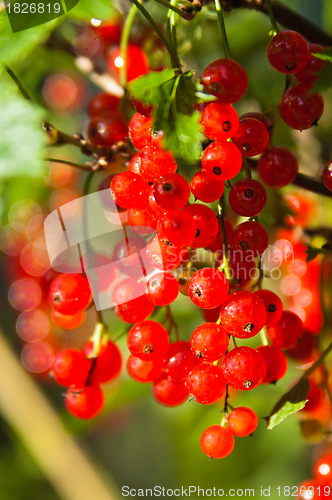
column 305, row 349
column 327, row 176
column 171, row 191
column 207, row 224
column 110, row 30
column 141, row 107
column 108, row 363
column 242, row 421
column 277, row 167
column 219, row 121
column 68, row 322
column 217, row 442
column 276, row 363
column 179, row 360
column 226, row 79
column 148, row 340
column 273, row 306
column 130, row 301
column 300, row 108
column 208, row 288
column 322, row 468
column 205, row 188
column 141, row 221
column 163, row 255
column 250, row 236
column 247, row 198
column 178, row 227
column 71, row 368
column 170, row 391
column 287, row 331
column 163, row 288
column 206, row 383
column 209, row 342
column 102, row 103
column 242, row 314
column 244, row 368
column 252, row 137
column 129, row 190
column 262, row 118
column 156, row 163
column 288, row 52
column 107, row 129
column 141, row 132
column 144, row 371
column 85, row 404
column 222, row 161
column 309, row 74
column 137, row 63
column 69, row 293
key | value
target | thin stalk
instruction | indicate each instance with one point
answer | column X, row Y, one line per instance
column 220, row 15
column 263, row 335
column 18, row 83
column 317, row 363
column 174, row 8
column 145, row 13
column 124, row 43
column 225, row 265
column 274, row 26
column 171, row 27
column 86, row 168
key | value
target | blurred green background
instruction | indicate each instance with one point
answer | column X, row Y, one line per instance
column 136, row 442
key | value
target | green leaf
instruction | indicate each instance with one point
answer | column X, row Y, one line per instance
column 173, row 96
column 325, row 55
column 21, row 138
column 98, row 9
column 16, row 46
column 291, row 402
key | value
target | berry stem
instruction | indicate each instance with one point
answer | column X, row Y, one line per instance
column 18, row 83
column 274, row 26
column 172, row 325
column 263, row 335
column 220, row 15
column 124, row 43
column 86, row 168
column 225, row 264
column 174, row 58
column 171, row 28
column 225, row 410
column 171, row 5
column 317, row 363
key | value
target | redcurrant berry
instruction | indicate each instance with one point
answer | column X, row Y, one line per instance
column 170, row 391
column 85, row 404
column 242, row 314
column 288, row 52
column 219, row 121
column 221, row 161
column 244, row 368
column 252, row 137
column 287, row 331
column 226, row 79
column 148, row 340
column 208, row 288
column 163, row 288
column 251, row 237
column 276, row 363
column 273, row 306
column 205, row 188
column 242, row 421
column 69, row 293
column 277, row 167
column 217, row 442
column 247, row 198
column 300, row 108
column 207, row 224
column 209, row 342
column 206, row 383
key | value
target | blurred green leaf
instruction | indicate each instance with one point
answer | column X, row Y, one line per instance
column 21, row 138
column 98, row 9
column 291, row 402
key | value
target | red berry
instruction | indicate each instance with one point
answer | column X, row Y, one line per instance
column 247, row 198
column 262, row 118
column 136, row 61
column 205, row 188
column 300, row 108
column 243, row 266
column 71, row 368
column 179, row 360
column 141, row 107
column 221, row 161
column 163, row 255
column 141, row 133
column 206, row 383
column 163, row 289
column 102, row 103
column 273, row 306
column 129, row 190
column 217, row 442
column 287, row 331
column 171, row 191
column 178, row 227
column 252, row 137
column 327, row 176
column 244, row 368
column 277, row 167
column 209, row 342
column 242, row 421
column 110, row 30
column 288, row 52
column 148, row 340
column 219, row 121
column 144, row 371
column 156, row 163
column 107, row 365
column 276, row 363
column 208, row 288
column 126, row 255
column 309, row 74
column 218, row 244
column 226, row 79
column 207, row 224
column 322, row 468
column 305, row 348
column 131, row 302
column 69, row 293
column 315, row 397
column 68, row 322
column 107, row 129
column 251, row 237
column 242, row 314
column 85, row 404
column 141, row 221
column 170, row 391
column 311, row 489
